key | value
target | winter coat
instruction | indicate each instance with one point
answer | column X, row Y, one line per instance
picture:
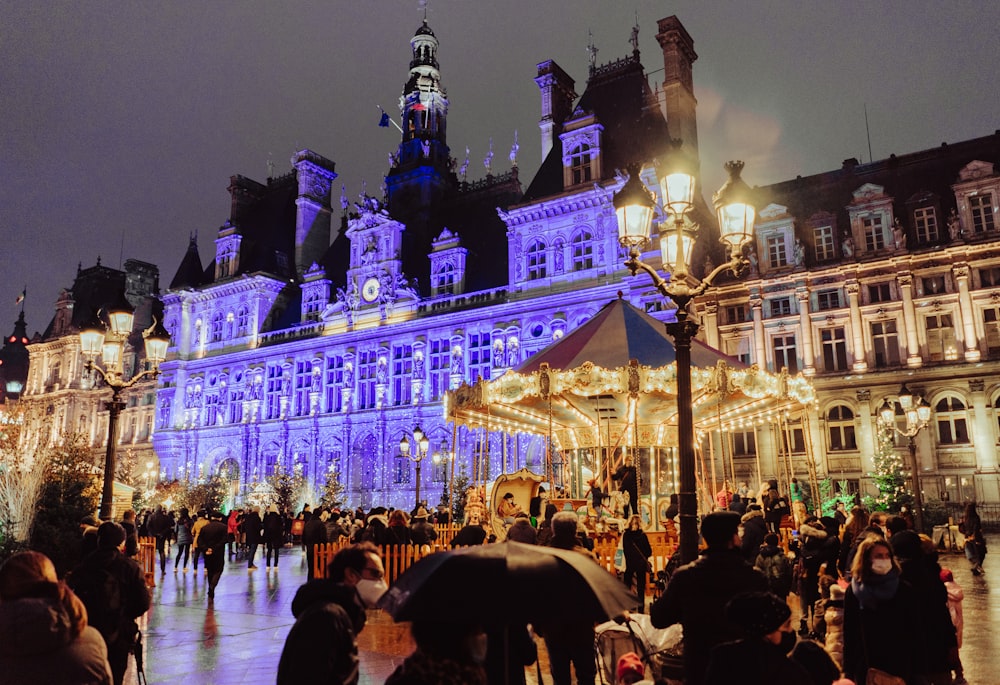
column 731, row 662
column 37, row 645
column 884, row 636
column 924, row 575
column 252, row 527
column 522, row 531
column 696, row 597
column 375, row 530
column 313, row 533
column 955, row 597
column 321, row 647
column 397, row 535
column 274, row 529
column 196, row 529
column 213, row 536
column 637, row 550
column 422, row 669
column 812, row 538
column 777, row 568
column 469, row 536
column 182, row 531
column 159, row 525
column 120, row 627
column 776, row 508
column 422, row 532
column 834, row 619
column 754, row 532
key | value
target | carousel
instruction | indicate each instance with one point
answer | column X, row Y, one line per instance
column 604, row 401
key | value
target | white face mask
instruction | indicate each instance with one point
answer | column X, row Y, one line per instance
column 371, row 591
column 881, row 566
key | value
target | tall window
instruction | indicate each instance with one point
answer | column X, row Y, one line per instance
column 840, row 428
column 446, row 279
column 981, row 207
column 989, row 277
column 781, row 306
column 583, row 250
column 825, row 246
column 925, row 223
column 941, row 343
column 874, row 233
column 834, row 349
column 479, row 357
column 885, row 343
column 402, row 374
column 580, row 170
column 991, row 325
column 951, row 417
column 218, row 321
column 273, row 391
column 784, row 354
column 440, row 367
column 536, row 260
column 367, row 367
column 303, row 384
column 879, row 292
column 776, row 255
column 243, row 321
column 744, row 444
column 334, row 382
column 736, row 313
column 211, row 409
column 401, row 471
column 236, row 397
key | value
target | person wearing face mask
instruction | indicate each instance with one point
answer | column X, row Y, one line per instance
column 881, row 617
column 446, row 654
column 329, row 614
column 761, row 656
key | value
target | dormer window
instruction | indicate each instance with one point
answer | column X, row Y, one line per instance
column 445, row 279
column 580, row 170
column 926, row 225
column 227, row 249
column 581, row 144
column 981, row 209
column 875, row 233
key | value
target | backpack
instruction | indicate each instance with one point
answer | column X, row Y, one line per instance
column 101, row 592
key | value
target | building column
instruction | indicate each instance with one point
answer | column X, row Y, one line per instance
column 913, row 358
column 808, row 356
column 867, row 438
column 860, row 364
column 757, row 309
column 961, row 273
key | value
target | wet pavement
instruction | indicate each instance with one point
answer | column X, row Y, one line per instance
column 239, row 638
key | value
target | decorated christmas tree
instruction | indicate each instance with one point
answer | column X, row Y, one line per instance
column 889, row 476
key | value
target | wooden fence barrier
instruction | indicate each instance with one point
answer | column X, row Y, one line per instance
column 147, row 559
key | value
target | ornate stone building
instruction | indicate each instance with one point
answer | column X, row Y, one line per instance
column 318, row 336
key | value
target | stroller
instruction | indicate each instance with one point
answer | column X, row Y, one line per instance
column 660, row 649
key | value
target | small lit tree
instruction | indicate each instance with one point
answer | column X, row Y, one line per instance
column 459, row 487
column 288, row 488
column 332, row 494
column 889, row 476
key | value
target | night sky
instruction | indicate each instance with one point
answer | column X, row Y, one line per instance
column 122, row 122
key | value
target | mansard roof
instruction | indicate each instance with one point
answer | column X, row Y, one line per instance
column 190, row 273
column 928, row 173
column 618, row 94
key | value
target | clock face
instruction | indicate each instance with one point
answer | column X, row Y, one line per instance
column 369, row 291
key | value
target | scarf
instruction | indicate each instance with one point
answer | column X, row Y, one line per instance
column 876, row 590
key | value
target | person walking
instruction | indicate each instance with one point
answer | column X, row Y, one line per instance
column 637, row 550
column 212, row 542
column 131, row 534
column 252, row 528
column 698, row 592
column 159, row 526
column 184, row 537
column 313, row 533
column 200, row 521
column 975, row 544
column 113, row 588
column 44, row 635
column 274, row 532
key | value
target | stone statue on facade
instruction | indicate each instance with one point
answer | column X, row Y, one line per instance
column 954, row 225
column 898, row 234
column 847, row 246
column 799, row 253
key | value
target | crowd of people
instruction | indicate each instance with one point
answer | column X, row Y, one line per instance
column 872, row 598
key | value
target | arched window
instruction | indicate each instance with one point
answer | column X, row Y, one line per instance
column 583, row 250
column 536, row 260
column 952, row 421
column 840, row 428
column 580, row 169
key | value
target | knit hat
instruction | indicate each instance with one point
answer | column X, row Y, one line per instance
column 110, row 534
column 630, row 663
column 946, row 576
column 758, row 613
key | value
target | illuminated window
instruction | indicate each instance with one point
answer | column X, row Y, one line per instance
column 952, row 421
column 273, row 392
column 941, row 343
column 840, row 428
column 440, row 367
column 402, row 374
column 925, row 223
column 367, row 369
column 243, row 321
column 991, row 326
column 446, row 279
column 885, row 343
column 536, row 260
column 583, row 251
column 981, row 207
column 334, row 382
column 218, row 321
column 303, row 384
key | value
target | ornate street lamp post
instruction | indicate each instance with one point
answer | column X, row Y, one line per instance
column 634, row 206
column 423, row 444
column 918, row 416
column 108, row 342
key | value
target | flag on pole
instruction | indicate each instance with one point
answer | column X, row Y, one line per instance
column 384, row 121
column 20, row 298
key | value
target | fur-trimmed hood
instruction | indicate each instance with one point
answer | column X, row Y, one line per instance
column 809, row 531
column 751, row 514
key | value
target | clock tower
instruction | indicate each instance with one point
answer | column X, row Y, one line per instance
column 375, row 276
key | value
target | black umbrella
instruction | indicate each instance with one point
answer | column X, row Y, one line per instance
column 505, row 583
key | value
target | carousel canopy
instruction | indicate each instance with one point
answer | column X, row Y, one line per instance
column 613, row 381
